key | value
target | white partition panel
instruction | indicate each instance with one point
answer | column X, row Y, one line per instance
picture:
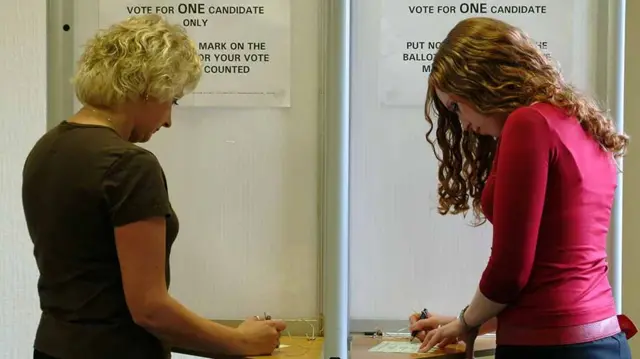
column 404, row 256
column 244, row 183
column 23, row 113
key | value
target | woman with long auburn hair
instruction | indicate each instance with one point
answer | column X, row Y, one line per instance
column 520, row 147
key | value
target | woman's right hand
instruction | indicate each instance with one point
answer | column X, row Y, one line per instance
column 423, row 326
column 260, row 337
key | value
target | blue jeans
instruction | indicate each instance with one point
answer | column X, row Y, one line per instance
column 615, row 347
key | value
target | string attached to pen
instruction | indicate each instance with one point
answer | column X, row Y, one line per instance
column 309, row 337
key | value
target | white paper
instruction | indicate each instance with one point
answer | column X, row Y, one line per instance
column 187, row 356
column 398, row 347
column 412, row 29
column 246, row 57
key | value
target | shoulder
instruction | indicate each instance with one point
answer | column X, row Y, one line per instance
column 134, row 168
column 536, row 122
column 138, row 155
column 535, row 116
column 135, row 187
column 131, row 158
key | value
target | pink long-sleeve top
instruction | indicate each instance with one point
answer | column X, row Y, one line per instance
column 549, row 197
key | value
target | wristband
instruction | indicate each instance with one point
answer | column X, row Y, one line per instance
column 467, row 327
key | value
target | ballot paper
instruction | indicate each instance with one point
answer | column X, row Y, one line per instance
column 186, row 356
column 398, row 347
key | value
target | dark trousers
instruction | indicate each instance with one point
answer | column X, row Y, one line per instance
column 40, row 355
column 615, row 347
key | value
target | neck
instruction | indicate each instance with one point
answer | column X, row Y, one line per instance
column 109, row 118
column 500, row 121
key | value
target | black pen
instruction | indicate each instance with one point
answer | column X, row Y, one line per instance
column 423, row 315
column 268, row 317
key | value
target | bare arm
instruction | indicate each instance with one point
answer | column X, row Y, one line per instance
column 141, row 251
column 490, row 326
column 482, row 309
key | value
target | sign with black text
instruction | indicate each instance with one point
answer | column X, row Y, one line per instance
column 411, row 32
column 244, row 47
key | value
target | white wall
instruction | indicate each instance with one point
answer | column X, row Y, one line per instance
column 22, row 121
column 245, row 186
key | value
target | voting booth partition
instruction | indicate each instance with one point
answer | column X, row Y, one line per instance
column 299, row 168
column 242, row 157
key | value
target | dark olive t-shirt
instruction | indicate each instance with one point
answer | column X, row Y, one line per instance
column 79, row 183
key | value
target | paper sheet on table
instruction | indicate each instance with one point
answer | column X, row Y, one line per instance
column 398, row 347
column 186, row 356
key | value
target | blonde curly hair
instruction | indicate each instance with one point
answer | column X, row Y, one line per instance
column 140, row 57
column 497, row 68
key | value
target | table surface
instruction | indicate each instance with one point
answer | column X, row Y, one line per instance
column 484, row 346
column 297, row 347
column 303, row 348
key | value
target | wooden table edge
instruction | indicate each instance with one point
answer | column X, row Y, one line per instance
column 479, row 353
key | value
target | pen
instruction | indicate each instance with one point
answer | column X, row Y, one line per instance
column 268, row 317
column 423, row 315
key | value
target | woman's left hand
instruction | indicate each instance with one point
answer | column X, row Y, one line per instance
column 448, row 333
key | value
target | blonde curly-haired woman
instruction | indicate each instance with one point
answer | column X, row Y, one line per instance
column 98, row 210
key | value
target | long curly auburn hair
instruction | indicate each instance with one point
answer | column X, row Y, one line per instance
column 497, row 68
